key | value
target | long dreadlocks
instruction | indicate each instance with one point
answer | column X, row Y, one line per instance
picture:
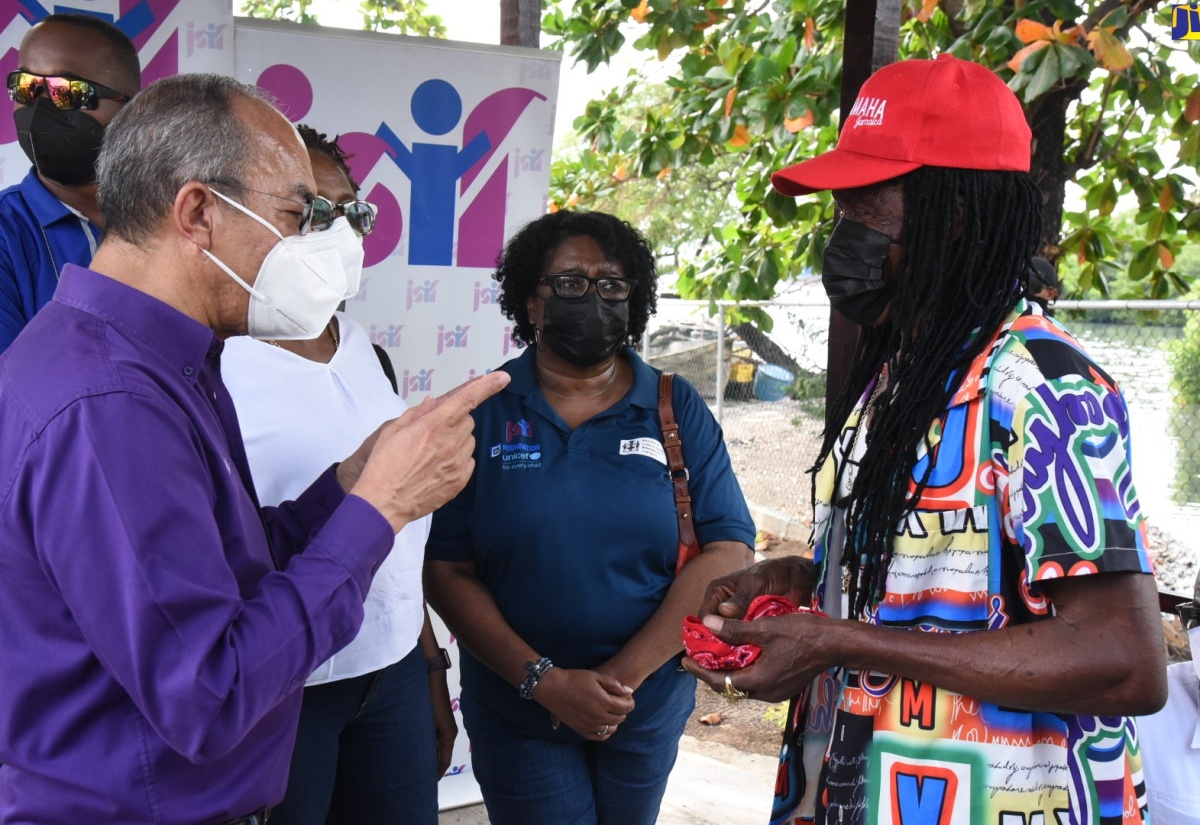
column 968, row 238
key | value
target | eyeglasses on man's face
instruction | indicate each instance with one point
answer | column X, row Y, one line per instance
column 318, row 214
column 63, row 91
column 566, row 285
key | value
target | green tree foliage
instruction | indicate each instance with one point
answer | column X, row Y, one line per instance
column 1112, row 102
column 396, row 16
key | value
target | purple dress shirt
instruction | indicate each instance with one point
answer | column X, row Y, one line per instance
column 155, row 624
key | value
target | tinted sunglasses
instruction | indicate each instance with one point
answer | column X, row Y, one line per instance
column 360, row 214
column 64, row 92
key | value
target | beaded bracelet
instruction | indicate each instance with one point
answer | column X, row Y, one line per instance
column 536, row 672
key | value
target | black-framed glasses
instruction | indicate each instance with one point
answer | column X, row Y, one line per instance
column 361, row 215
column 566, row 285
column 64, row 91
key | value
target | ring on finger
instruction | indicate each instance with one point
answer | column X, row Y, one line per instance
column 603, row 732
column 733, row 695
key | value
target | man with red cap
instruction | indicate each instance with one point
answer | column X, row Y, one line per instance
column 978, row 544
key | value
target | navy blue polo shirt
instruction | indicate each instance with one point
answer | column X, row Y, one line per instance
column 574, row 532
column 39, row 235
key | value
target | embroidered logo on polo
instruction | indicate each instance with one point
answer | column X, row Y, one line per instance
column 649, row 447
column 517, row 453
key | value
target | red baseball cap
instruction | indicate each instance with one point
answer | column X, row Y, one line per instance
column 914, row 113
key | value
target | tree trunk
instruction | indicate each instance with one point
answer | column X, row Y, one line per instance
column 1048, row 165
column 761, row 345
column 521, row 23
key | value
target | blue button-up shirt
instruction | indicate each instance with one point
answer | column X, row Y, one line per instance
column 39, row 235
column 156, row 624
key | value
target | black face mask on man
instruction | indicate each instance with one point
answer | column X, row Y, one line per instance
column 62, row 144
column 853, row 272
column 585, row 331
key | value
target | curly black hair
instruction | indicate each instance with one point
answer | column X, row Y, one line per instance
column 523, row 264
column 327, row 146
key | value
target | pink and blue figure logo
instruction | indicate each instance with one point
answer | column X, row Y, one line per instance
column 416, row 381
column 385, row 336
column 507, row 343
column 451, row 338
column 141, row 20
column 425, row 293
column 517, row 429
column 458, row 187
column 485, row 295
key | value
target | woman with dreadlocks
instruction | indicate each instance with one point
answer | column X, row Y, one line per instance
column 977, row 467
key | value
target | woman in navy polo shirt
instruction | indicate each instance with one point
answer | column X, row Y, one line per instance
column 555, row 567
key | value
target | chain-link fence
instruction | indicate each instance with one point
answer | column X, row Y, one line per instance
column 773, row 425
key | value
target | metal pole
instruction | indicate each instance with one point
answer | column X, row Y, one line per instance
column 720, row 394
column 520, row 22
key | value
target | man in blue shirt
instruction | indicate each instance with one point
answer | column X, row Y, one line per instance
column 75, row 72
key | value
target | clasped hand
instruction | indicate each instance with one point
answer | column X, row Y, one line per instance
column 590, row 703
column 796, row 647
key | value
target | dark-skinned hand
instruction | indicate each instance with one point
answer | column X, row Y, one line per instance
column 585, row 701
column 790, row 576
column 795, row 648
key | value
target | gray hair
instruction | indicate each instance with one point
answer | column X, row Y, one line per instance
column 179, row 129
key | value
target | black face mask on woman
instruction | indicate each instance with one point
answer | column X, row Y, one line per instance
column 585, row 331
column 853, row 272
column 63, row 145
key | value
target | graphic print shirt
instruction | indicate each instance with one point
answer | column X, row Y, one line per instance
column 1031, row 481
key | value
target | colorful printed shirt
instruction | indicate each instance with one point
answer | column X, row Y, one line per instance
column 1031, row 481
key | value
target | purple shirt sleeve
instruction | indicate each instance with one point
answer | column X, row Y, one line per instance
column 176, row 593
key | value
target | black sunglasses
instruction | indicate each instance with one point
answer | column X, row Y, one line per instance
column 64, row 92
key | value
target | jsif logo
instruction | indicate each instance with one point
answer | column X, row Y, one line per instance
column 1185, row 22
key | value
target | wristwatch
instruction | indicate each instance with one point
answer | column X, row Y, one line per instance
column 439, row 661
column 1189, row 614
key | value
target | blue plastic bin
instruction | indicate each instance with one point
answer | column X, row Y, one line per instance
column 771, row 382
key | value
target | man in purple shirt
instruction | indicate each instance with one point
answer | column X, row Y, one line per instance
column 156, row 624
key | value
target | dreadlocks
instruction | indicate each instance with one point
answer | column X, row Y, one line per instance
column 968, row 238
column 330, row 148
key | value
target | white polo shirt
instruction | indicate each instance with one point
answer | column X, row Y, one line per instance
column 297, row 418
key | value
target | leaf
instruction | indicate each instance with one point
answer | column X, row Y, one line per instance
column 927, row 7
column 1166, row 199
column 1049, row 72
column 729, row 98
column 639, row 13
column 1165, row 256
column 1191, row 109
column 741, row 137
column 1030, row 31
column 1110, row 52
column 1020, row 57
column 810, row 28
column 795, row 124
column 666, row 170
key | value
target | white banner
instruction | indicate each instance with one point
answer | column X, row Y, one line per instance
column 171, row 36
column 452, row 142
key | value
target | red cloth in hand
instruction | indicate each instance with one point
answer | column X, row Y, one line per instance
column 713, row 654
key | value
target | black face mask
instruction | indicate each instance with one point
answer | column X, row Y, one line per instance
column 62, row 144
column 587, row 330
column 853, row 272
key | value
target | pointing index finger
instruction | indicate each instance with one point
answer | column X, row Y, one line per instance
column 469, row 395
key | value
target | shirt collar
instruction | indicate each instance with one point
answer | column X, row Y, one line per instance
column 182, row 341
column 973, row 384
column 42, row 203
column 643, row 393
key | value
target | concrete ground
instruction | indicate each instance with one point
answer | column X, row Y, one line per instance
column 711, row 785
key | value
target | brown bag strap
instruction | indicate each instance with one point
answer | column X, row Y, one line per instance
column 674, row 448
